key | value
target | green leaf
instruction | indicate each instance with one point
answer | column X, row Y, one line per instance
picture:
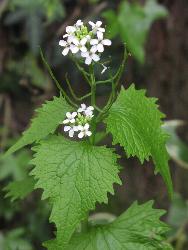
column 20, row 189
column 133, row 22
column 112, row 26
column 178, row 212
column 15, row 166
column 135, row 123
column 176, row 148
column 13, row 240
column 47, row 120
column 137, row 228
column 74, row 176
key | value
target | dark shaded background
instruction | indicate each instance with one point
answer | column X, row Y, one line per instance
column 164, row 75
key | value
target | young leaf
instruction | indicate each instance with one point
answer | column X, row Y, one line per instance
column 74, row 176
column 135, row 123
column 137, row 228
column 133, row 22
column 47, row 120
column 20, row 189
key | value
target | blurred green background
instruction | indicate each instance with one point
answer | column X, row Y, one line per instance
column 155, row 33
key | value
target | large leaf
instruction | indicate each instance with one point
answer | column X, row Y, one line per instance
column 133, row 23
column 135, row 123
column 137, row 228
column 47, row 120
column 74, row 176
column 19, row 189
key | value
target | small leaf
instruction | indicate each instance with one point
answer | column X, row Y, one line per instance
column 135, row 123
column 137, row 228
column 20, row 189
column 47, row 120
column 74, row 176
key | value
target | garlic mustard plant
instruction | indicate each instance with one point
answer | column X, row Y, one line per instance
column 73, row 165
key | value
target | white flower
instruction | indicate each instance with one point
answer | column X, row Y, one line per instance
column 71, row 130
column 79, row 45
column 70, row 31
column 65, row 44
column 98, row 44
column 70, row 117
column 84, row 131
column 79, row 23
column 96, row 27
column 90, row 56
column 88, row 111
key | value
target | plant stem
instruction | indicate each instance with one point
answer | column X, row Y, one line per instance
column 55, row 80
column 73, row 93
column 93, row 85
column 82, row 70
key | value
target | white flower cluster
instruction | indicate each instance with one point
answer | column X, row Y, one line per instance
column 89, row 44
column 79, row 121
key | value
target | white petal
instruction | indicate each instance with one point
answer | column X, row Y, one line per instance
column 88, row 133
column 65, row 51
column 79, row 23
column 98, row 23
column 92, row 24
column 80, row 110
column 104, row 69
column 68, row 115
column 88, row 37
column 74, row 114
column 84, row 54
column 83, row 106
column 71, row 133
column 70, row 39
column 90, row 108
column 93, row 49
column 62, row 43
column 67, row 128
column 95, row 57
column 75, row 128
column 75, row 41
column 74, row 49
column 100, row 47
column 72, row 120
column 81, row 135
column 83, row 49
column 88, row 60
column 66, row 121
column 80, row 127
column 89, row 113
column 106, row 42
column 86, row 126
column 101, row 30
column 83, row 41
column 70, row 29
column 94, row 41
column 66, row 35
column 100, row 35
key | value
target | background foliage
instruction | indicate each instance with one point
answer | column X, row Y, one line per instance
column 155, row 36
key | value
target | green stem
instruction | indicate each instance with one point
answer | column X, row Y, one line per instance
column 118, row 75
column 73, row 93
column 55, row 80
column 82, row 70
column 93, row 85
